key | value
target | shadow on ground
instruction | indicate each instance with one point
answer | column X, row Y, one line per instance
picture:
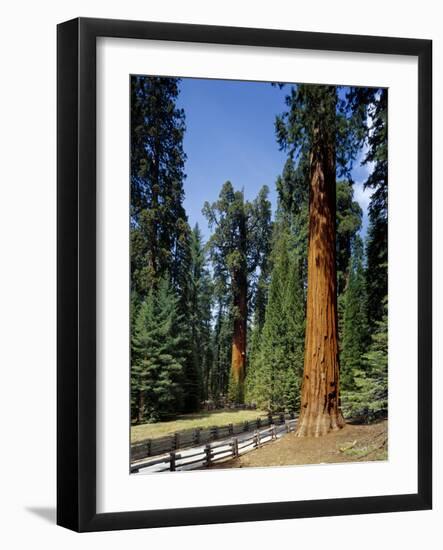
column 46, row 513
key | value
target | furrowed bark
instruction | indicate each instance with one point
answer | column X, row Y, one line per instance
column 320, row 411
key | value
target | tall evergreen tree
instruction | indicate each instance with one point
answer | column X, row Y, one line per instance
column 368, row 397
column 159, row 229
column 160, row 233
column 276, row 357
column 221, row 345
column 157, row 367
column 376, row 133
column 277, row 364
column 377, row 242
column 321, row 127
column 200, row 318
column 349, row 220
column 238, row 248
column 355, row 329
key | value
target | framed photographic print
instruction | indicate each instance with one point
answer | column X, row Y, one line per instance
column 244, row 274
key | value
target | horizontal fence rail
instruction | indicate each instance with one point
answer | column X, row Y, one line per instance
column 216, row 452
column 200, row 436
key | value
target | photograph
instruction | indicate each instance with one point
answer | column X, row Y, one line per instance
column 258, row 274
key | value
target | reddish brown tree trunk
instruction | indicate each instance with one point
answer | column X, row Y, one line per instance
column 238, row 360
column 240, row 303
column 319, row 407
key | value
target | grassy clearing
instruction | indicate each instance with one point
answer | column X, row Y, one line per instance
column 202, row 419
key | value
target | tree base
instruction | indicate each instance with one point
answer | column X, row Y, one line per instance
column 309, row 426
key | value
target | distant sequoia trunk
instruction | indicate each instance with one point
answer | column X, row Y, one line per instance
column 238, row 361
column 320, row 405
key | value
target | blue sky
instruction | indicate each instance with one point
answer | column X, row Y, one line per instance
column 230, row 136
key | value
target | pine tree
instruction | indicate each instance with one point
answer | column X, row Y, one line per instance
column 355, row 329
column 276, row 365
column 369, row 396
column 157, row 368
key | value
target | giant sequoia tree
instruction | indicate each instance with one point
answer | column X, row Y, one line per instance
column 238, row 246
column 319, row 124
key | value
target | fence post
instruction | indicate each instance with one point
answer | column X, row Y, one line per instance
column 176, row 442
column 230, row 429
column 258, row 422
column 208, row 454
column 172, row 461
column 213, row 433
column 282, row 418
column 288, row 427
column 235, row 448
column 148, row 447
column 257, row 439
column 197, row 435
column 273, row 434
column 292, row 415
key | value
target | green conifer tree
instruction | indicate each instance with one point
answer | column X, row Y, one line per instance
column 355, row 328
column 368, row 398
column 157, row 369
column 238, row 247
column 276, row 366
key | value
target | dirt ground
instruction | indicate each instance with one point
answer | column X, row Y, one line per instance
column 353, row 443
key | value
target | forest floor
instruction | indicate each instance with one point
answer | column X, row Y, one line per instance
column 354, row 443
column 202, row 419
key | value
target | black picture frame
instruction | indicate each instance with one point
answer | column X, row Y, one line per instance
column 76, row 280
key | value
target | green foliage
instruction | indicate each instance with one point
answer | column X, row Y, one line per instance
column 239, row 249
column 200, row 317
column 316, row 111
column 355, row 329
column 241, row 238
column 274, row 374
column 159, row 228
column 368, row 396
column 162, row 244
column 349, row 219
column 221, row 348
column 376, row 135
column 183, row 313
column 377, row 243
column 157, row 356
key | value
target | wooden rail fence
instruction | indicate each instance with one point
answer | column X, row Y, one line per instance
column 214, row 452
column 199, row 436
